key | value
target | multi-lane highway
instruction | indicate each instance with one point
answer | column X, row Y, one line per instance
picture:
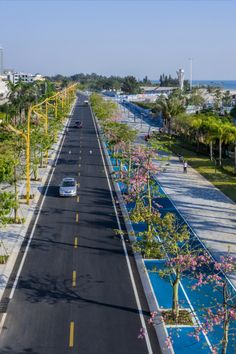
column 75, row 292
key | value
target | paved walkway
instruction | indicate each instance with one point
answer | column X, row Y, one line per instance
column 211, row 214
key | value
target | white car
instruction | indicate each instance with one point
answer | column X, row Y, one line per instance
column 86, row 102
column 68, row 187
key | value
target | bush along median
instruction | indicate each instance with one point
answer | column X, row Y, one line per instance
column 196, row 300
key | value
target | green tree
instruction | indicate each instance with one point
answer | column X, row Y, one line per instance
column 130, row 85
column 169, row 107
column 7, row 203
column 227, row 98
column 173, row 244
column 233, row 112
column 217, row 99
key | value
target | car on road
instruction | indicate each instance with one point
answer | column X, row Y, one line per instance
column 68, row 187
column 78, row 124
column 86, row 102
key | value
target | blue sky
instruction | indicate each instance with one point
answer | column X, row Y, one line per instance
column 120, row 37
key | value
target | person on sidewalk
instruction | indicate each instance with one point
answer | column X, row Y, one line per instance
column 185, row 166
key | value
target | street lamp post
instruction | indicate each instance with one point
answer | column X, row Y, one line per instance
column 27, row 141
column 38, row 110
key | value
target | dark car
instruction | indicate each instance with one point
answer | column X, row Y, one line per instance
column 78, row 124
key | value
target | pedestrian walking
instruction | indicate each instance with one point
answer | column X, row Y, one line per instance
column 185, row 166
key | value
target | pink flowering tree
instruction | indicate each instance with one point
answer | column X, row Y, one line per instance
column 118, row 136
column 142, row 190
column 180, row 258
column 222, row 313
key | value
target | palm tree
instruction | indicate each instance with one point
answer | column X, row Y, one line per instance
column 169, row 107
column 21, row 96
column 222, row 130
column 230, row 132
column 210, row 131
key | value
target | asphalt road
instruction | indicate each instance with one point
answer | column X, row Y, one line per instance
column 74, row 294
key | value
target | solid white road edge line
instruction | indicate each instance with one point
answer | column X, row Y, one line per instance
column 125, row 249
column 33, row 229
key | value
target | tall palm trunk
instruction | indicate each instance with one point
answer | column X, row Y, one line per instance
column 211, row 150
column 220, row 152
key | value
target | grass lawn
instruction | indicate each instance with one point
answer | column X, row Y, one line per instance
column 222, row 178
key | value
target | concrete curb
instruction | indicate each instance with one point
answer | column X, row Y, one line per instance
column 19, row 232
column 160, row 329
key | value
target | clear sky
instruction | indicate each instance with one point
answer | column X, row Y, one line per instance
column 120, row 37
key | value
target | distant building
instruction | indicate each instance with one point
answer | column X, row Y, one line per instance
column 158, row 90
column 15, row 77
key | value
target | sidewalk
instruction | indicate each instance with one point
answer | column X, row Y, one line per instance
column 210, row 213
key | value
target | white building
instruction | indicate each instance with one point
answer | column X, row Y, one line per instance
column 15, row 77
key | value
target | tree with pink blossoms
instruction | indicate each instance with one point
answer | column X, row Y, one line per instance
column 142, row 191
column 222, row 313
column 180, row 258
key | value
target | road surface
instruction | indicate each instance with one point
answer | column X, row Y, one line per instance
column 74, row 294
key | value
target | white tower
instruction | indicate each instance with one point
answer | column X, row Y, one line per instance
column 180, row 74
column 1, row 61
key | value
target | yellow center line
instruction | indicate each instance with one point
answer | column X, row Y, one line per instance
column 78, row 199
column 74, row 278
column 78, row 173
column 78, row 184
column 71, row 338
column 76, row 242
column 77, row 217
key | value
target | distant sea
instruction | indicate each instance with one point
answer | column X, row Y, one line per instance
column 224, row 84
